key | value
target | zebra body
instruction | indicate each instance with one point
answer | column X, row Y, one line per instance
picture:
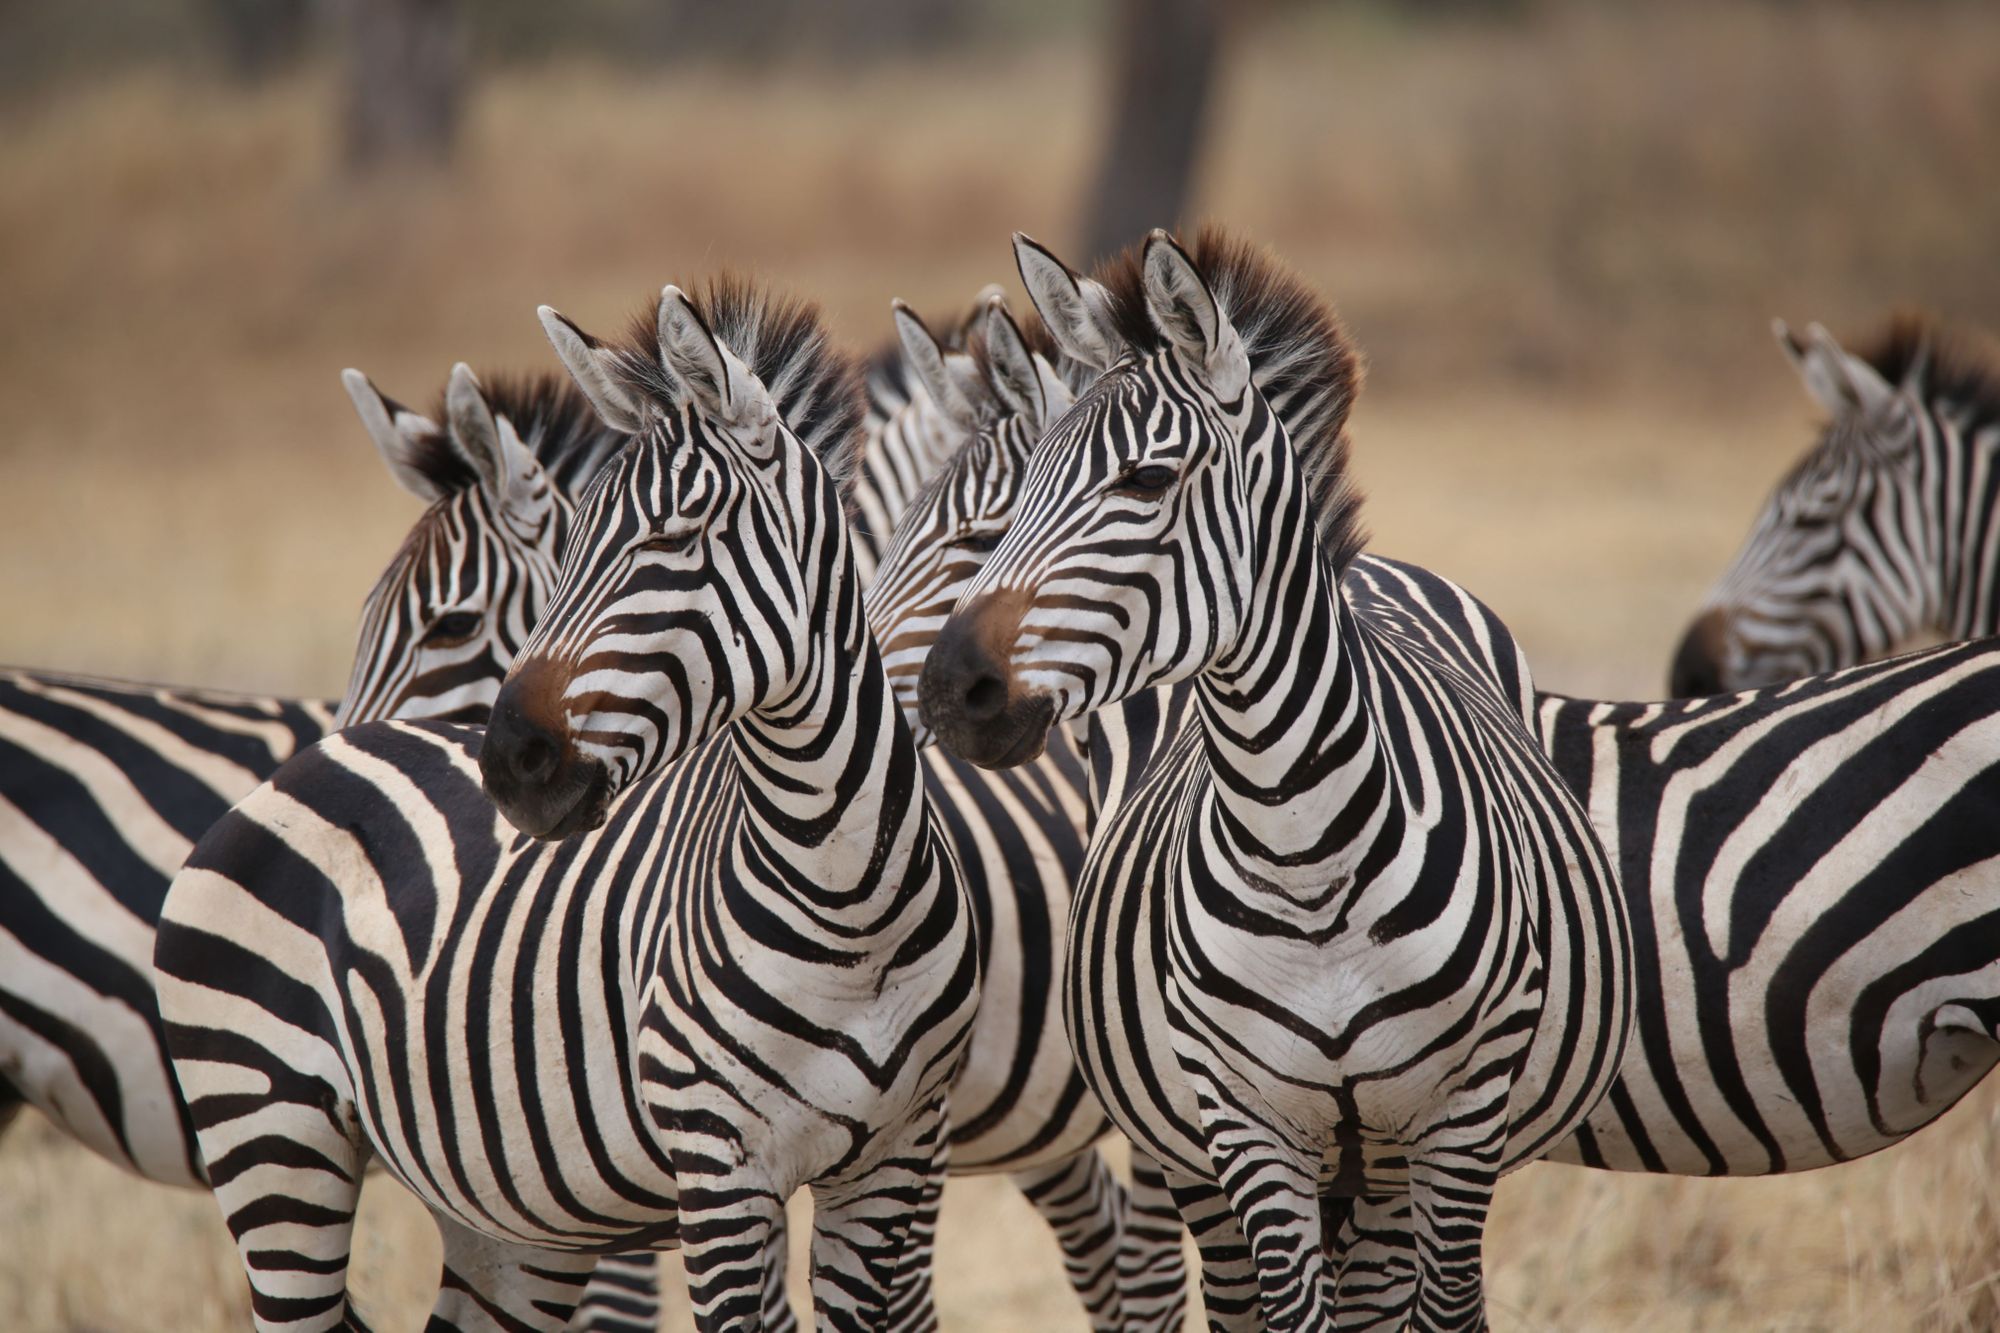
column 777, row 962
column 1816, row 871
column 104, row 786
column 1889, row 527
column 109, row 785
column 1390, row 955
column 1795, row 1045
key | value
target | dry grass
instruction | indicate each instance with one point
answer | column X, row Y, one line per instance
column 1546, row 239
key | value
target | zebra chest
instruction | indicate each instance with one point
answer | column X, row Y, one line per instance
column 1348, row 1007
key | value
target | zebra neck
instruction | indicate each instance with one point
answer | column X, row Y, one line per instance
column 1964, row 451
column 832, row 795
column 903, row 451
column 1303, row 785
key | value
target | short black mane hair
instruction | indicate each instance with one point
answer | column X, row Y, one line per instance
column 1954, row 365
column 1301, row 358
column 554, row 421
column 784, row 342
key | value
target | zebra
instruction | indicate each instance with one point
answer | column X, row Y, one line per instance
column 1019, row 1105
column 105, row 786
column 1395, row 954
column 456, row 601
column 1887, row 528
column 1728, row 1072
column 548, row 1040
column 999, row 389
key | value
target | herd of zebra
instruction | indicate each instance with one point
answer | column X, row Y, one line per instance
column 762, row 770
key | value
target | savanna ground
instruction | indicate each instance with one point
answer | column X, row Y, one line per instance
column 1560, row 243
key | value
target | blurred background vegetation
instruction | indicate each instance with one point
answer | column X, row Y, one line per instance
column 1559, row 229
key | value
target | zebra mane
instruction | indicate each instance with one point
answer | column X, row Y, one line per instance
column 553, row 419
column 1952, row 365
column 1301, row 358
column 784, row 342
column 888, row 381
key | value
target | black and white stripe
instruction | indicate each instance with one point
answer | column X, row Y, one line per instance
column 1814, row 867
column 1808, row 869
column 1888, row 528
column 1380, row 949
column 105, row 786
column 758, row 974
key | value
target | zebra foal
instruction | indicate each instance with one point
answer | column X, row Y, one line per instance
column 1394, row 955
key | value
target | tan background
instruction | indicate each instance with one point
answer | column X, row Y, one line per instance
column 1560, row 241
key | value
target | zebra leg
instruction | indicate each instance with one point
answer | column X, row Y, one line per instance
column 1152, row 1273
column 779, row 1317
column 732, row 1245
column 1451, row 1189
column 284, row 1154
column 1228, row 1275
column 1373, row 1255
column 623, row 1296
column 1084, row 1204
column 862, row 1227
column 912, row 1307
column 1273, row 1189
column 491, row 1286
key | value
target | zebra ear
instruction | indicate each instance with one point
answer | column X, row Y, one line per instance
column 716, row 381
column 1016, row 371
column 595, row 370
column 496, row 453
column 1076, row 309
column 927, row 359
column 1843, row 383
column 1790, row 344
column 408, row 441
column 1188, row 316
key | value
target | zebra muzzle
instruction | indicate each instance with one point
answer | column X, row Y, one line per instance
column 535, row 777
column 968, row 693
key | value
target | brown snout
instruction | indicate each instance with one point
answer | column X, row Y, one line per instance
column 528, row 765
column 968, row 694
column 1700, row 660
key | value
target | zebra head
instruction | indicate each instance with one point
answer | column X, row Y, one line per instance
column 708, row 559
column 460, row 596
column 1838, row 567
column 1149, row 508
column 1001, row 393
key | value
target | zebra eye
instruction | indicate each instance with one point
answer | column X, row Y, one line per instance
column 671, row 543
column 453, row 628
column 1151, row 479
column 979, row 542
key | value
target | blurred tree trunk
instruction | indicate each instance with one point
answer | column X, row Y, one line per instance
column 260, row 38
column 405, row 70
column 1164, row 55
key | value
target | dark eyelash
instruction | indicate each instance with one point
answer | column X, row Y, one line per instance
column 1150, row 479
column 454, row 627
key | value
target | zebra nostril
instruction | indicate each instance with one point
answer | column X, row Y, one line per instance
column 535, row 759
column 985, row 697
